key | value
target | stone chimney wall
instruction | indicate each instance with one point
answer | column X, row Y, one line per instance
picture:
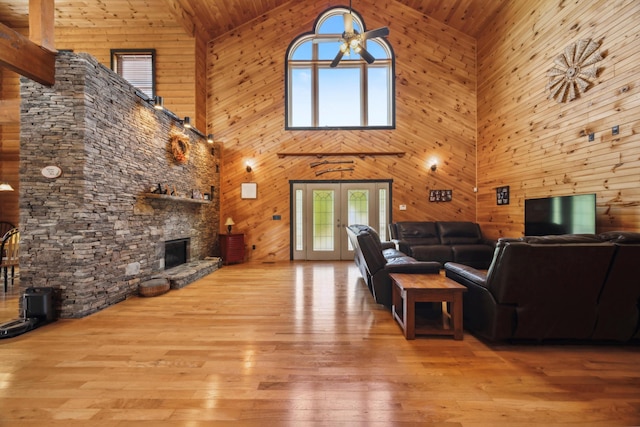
column 92, row 234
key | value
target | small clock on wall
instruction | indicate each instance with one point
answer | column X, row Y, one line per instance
column 51, row 172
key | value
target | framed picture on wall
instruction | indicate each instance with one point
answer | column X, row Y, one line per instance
column 440, row 195
column 502, row 195
column 249, row 190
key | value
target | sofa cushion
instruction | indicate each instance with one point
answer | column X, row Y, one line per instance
column 459, row 233
column 418, row 233
column 439, row 253
column 392, row 253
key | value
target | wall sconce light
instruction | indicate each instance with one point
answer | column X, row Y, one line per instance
column 229, row 223
column 249, row 168
column 187, row 122
column 434, row 166
column 210, row 138
column 158, row 103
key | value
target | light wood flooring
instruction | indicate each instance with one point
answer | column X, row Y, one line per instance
column 297, row 344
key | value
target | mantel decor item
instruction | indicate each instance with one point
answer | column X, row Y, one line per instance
column 180, row 147
column 502, row 195
column 573, row 70
column 249, row 190
column 51, row 172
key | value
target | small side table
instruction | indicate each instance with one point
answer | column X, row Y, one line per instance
column 408, row 289
column 232, row 248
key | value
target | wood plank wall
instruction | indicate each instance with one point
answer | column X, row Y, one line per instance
column 539, row 147
column 175, row 58
column 10, row 152
column 435, row 114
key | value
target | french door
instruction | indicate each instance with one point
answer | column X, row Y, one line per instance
column 322, row 210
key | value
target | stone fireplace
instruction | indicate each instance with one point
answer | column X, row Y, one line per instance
column 95, row 233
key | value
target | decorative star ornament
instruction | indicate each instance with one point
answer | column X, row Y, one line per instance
column 573, row 70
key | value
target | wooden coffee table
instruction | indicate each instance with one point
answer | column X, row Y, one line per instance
column 408, row 289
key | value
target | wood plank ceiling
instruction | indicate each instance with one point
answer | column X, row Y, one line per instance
column 218, row 17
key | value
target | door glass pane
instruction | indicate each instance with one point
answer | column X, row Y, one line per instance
column 299, row 221
column 323, row 220
column 357, row 208
column 382, row 214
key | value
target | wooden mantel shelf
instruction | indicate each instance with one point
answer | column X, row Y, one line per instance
column 175, row 198
column 361, row 154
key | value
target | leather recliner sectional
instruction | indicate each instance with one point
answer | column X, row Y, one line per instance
column 443, row 241
column 576, row 287
column 376, row 260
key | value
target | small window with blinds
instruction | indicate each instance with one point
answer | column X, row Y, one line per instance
column 137, row 67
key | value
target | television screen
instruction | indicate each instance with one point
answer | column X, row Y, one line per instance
column 573, row 214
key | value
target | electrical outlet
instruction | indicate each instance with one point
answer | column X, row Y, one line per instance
column 592, row 136
column 403, row 207
column 253, row 247
column 615, row 130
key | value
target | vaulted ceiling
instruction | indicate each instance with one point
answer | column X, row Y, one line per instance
column 214, row 18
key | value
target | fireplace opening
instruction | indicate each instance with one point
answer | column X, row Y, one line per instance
column 176, row 252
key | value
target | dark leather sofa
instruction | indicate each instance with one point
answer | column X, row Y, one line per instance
column 377, row 259
column 444, row 241
column 567, row 287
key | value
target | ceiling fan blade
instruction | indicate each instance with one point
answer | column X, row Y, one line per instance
column 326, row 39
column 348, row 23
column 379, row 32
column 366, row 56
column 337, row 59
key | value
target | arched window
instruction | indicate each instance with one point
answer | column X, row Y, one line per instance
column 352, row 95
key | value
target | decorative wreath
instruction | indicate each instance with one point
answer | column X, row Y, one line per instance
column 180, row 147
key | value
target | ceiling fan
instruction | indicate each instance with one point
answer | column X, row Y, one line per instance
column 351, row 39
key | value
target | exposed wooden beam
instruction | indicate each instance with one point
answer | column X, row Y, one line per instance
column 21, row 55
column 9, row 111
column 41, row 23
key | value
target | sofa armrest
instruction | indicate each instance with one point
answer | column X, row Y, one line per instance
column 427, row 267
column 403, row 246
column 388, row 245
column 464, row 274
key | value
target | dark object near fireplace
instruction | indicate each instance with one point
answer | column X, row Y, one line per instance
column 176, row 252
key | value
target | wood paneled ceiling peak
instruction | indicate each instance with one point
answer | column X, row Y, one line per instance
column 215, row 18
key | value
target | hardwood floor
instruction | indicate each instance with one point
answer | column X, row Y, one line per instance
column 297, row 344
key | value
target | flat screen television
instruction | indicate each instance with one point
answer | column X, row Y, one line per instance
column 574, row 214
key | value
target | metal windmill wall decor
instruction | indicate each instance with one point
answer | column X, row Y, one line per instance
column 573, row 70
